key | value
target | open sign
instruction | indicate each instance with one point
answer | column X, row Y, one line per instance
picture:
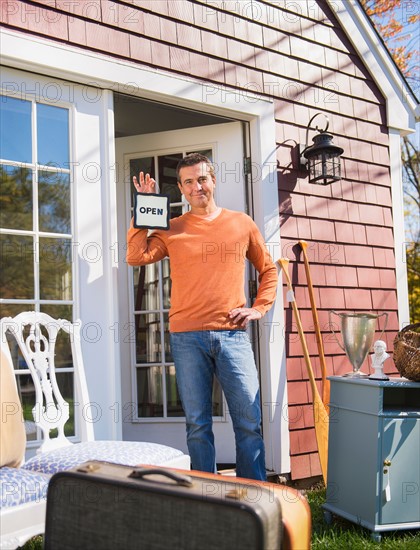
column 151, row 211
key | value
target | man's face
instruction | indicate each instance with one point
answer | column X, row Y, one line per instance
column 197, row 185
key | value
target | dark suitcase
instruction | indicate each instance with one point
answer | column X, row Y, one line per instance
column 102, row 506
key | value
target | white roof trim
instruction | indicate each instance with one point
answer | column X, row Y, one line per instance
column 402, row 106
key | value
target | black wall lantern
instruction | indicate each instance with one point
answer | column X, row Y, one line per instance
column 322, row 159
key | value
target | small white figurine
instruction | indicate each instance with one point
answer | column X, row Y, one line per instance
column 378, row 358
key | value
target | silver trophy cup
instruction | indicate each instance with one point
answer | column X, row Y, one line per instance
column 358, row 334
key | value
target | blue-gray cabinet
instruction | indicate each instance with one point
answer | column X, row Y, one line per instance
column 374, row 453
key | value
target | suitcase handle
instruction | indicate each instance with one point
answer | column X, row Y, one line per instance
column 182, row 480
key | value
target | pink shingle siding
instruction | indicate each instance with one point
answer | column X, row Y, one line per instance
column 303, row 61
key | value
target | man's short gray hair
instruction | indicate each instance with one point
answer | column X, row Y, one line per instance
column 191, row 160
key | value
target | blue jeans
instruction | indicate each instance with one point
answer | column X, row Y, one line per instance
column 228, row 355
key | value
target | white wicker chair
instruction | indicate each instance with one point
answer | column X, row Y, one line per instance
column 36, row 335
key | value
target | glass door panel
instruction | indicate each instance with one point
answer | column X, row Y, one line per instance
column 146, row 287
column 173, row 401
column 152, row 290
column 148, row 338
column 149, row 392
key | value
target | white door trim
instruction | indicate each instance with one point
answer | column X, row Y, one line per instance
column 98, row 71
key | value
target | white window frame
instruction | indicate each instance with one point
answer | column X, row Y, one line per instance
column 36, row 302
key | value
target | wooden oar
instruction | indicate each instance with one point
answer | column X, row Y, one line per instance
column 321, row 419
column 325, row 382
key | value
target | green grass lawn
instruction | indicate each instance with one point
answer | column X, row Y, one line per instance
column 339, row 535
column 342, row 534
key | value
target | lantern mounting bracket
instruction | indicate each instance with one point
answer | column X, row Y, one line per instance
column 303, row 148
column 322, row 159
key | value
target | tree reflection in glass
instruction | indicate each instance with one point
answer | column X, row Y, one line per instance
column 54, row 201
column 16, row 197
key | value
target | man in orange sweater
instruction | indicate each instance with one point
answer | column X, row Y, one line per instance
column 208, row 248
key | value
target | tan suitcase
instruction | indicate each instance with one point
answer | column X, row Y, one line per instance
column 107, row 506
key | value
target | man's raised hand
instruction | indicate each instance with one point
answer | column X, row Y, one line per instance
column 146, row 185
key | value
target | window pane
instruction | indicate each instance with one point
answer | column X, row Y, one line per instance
column 166, row 283
column 17, row 270
column 173, row 400
column 26, row 391
column 53, row 135
column 65, row 384
column 149, row 392
column 146, row 165
column 168, row 183
column 175, row 211
column 146, row 287
column 168, row 353
column 15, row 197
column 18, row 360
column 63, row 356
column 58, row 311
column 147, row 330
column 55, row 275
column 174, row 406
column 54, row 202
column 10, row 310
column 217, row 398
column 15, row 129
column 206, row 152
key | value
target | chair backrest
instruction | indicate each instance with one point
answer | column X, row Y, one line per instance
column 36, row 335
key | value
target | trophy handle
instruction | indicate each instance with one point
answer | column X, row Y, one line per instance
column 332, row 329
column 386, row 323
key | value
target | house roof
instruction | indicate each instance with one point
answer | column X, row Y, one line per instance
column 403, row 106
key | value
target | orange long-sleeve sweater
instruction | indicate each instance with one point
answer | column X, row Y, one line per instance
column 207, row 259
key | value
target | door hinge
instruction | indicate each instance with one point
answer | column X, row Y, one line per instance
column 247, row 166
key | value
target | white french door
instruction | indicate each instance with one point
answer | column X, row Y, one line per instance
column 150, row 402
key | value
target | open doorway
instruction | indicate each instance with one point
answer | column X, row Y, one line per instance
column 153, row 137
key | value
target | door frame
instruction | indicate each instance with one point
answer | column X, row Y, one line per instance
column 106, row 75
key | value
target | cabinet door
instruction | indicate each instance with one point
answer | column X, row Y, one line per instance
column 400, row 446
